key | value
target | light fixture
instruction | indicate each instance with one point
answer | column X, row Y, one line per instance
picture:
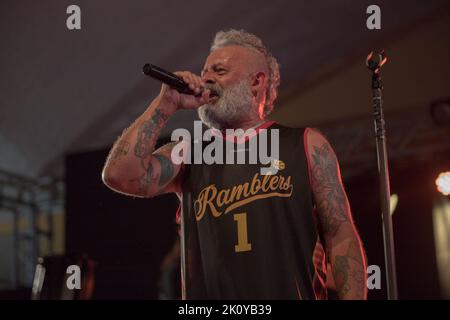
column 393, row 203
column 443, row 183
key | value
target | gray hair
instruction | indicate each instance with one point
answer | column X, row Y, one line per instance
column 248, row 40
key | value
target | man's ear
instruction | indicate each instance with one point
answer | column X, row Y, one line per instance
column 258, row 87
column 258, row 84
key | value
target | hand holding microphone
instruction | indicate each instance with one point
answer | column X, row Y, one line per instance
column 183, row 89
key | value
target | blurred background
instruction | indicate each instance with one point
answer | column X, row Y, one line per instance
column 66, row 95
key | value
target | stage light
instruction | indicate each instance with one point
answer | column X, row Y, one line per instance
column 443, row 183
column 393, row 203
column 441, row 226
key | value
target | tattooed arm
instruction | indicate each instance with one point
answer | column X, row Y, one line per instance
column 343, row 245
column 133, row 167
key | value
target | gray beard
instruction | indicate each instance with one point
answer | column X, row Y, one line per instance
column 232, row 108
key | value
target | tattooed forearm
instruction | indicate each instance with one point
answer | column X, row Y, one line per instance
column 120, row 150
column 349, row 273
column 331, row 201
column 148, row 133
column 340, row 274
column 133, row 167
column 341, row 239
column 146, row 139
column 166, row 169
column 146, row 179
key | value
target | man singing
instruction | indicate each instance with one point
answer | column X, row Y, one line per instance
column 244, row 234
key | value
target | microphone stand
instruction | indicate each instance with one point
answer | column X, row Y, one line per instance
column 383, row 172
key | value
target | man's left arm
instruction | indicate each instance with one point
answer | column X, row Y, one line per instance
column 343, row 244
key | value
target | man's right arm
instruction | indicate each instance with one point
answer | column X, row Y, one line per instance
column 133, row 167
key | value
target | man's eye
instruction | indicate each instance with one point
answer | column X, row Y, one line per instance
column 220, row 71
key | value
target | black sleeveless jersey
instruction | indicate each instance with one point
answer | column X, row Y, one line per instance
column 247, row 235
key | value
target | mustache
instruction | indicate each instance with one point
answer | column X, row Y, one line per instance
column 214, row 88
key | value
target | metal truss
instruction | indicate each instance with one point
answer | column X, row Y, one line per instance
column 23, row 199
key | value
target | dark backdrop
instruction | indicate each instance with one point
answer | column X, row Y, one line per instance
column 126, row 236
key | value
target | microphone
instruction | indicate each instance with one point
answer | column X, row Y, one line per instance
column 172, row 80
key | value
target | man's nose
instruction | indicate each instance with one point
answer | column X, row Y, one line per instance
column 207, row 78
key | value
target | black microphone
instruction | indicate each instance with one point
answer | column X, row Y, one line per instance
column 172, row 80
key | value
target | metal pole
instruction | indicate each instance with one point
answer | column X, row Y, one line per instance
column 383, row 172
